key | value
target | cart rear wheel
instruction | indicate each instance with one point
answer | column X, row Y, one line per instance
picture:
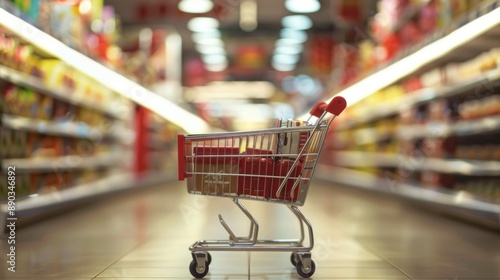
column 306, row 272
column 198, row 272
column 293, row 259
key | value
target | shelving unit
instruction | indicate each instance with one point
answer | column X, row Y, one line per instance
column 77, row 158
column 411, row 144
column 21, row 79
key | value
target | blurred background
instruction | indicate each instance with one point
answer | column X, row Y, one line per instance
column 95, row 92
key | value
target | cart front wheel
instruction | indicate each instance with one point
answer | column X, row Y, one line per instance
column 209, row 258
column 293, row 259
column 198, row 272
column 304, row 271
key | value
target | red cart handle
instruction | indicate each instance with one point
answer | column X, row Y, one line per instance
column 318, row 109
column 335, row 107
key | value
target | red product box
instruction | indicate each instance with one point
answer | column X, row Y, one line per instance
column 255, row 185
column 255, row 151
column 217, row 174
column 282, row 169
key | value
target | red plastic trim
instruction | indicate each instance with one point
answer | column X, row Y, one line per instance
column 318, row 109
column 181, row 167
column 337, row 105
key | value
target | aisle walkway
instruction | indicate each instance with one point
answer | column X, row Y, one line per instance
column 359, row 235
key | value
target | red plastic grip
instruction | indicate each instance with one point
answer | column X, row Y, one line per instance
column 336, row 106
column 181, row 166
column 318, row 109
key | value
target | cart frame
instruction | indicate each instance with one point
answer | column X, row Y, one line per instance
column 301, row 252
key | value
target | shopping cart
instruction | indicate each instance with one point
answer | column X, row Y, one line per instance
column 272, row 165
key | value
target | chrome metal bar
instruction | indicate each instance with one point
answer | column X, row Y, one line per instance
column 254, row 228
column 308, row 224
column 220, row 135
column 316, row 128
column 301, row 240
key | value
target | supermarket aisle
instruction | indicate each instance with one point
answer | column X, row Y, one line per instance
column 359, row 235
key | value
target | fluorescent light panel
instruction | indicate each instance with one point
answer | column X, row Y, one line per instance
column 297, row 22
column 196, row 6
column 203, row 24
column 302, row 6
column 114, row 81
column 298, row 35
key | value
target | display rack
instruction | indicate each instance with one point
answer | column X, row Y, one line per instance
column 106, row 169
column 370, row 149
column 21, row 79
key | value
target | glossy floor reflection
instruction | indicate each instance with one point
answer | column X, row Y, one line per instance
column 359, row 235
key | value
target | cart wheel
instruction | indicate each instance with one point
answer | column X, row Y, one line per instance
column 293, row 259
column 198, row 272
column 209, row 258
column 305, row 272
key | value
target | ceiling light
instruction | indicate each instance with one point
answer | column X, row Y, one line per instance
column 196, row 6
column 248, row 15
column 285, row 59
column 209, row 42
column 298, row 22
column 283, row 67
column 216, row 67
column 202, row 24
column 287, row 42
column 289, row 49
column 210, row 49
column 214, row 59
column 302, row 6
column 298, row 35
column 213, row 33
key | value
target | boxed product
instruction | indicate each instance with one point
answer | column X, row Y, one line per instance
column 252, row 180
column 218, row 167
column 291, row 143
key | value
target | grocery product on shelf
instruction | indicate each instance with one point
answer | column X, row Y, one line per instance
column 432, row 133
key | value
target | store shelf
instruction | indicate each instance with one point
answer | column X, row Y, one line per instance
column 462, row 167
column 441, row 130
column 114, row 81
column 450, row 166
column 409, row 12
column 421, row 96
column 366, row 159
column 22, row 79
column 362, row 137
column 436, row 48
column 70, row 162
column 66, row 128
column 38, row 204
column 459, row 202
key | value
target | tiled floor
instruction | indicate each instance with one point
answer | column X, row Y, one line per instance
column 359, row 235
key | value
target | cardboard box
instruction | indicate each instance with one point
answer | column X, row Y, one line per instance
column 217, row 173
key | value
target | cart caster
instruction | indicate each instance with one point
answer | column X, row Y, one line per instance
column 293, row 259
column 305, row 272
column 198, row 272
column 209, row 258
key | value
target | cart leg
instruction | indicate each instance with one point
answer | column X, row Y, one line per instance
column 301, row 227
column 303, row 219
column 251, row 239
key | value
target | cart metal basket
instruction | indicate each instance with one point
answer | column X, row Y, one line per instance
column 273, row 165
